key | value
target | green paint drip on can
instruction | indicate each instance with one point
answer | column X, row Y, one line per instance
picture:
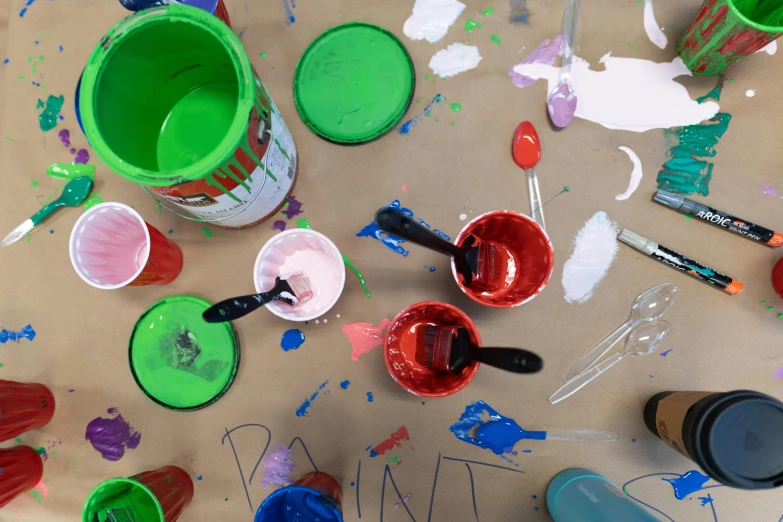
column 456, row 106
column 48, row 118
column 358, row 274
column 69, row 171
column 471, row 24
column 495, row 38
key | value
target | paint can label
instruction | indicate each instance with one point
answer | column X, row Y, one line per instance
column 670, row 417
column 254, row 181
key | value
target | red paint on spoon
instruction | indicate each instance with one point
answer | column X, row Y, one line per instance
column 526, row 147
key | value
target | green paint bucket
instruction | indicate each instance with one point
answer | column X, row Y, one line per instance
column 170, row 100
column 180, row 361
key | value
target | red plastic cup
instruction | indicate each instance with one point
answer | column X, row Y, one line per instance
column 399, row 349
column 112, row 246
column 173, row 488
column 23, row 407
column 22, row 469
column 317, row 496
column 777, row 277
column 523, row 254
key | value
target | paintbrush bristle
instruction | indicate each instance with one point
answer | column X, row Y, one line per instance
column 433, row 347
column 300, row 286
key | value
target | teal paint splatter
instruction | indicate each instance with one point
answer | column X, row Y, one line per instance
column 48, row 118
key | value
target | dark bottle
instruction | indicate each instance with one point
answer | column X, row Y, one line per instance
column 735, row 437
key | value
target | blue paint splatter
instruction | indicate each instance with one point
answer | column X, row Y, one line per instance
column 199, row 477
column 706, row 500
column 499, row 433
column 688, row 483
column 664, row 354
column 51, row 231
column 289, row 13
column 391, row 241
column 24, row 9
column 25, row 333
column 301, row 411
column 60, row 48
column 527, row 451
column 344, row 385
column 370, row 397
column 411, row 124
column 368, row 447
column 519, row 12
column 633, row 440
column 292, row 339
column 5, row 61
column 353, row 484
column 535, row 508
column 432, row 269
column 534, row 496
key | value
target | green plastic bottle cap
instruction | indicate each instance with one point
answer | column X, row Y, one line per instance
column 354, row 83
column 180, row 361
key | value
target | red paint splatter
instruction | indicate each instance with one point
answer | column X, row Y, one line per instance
column 395, row 441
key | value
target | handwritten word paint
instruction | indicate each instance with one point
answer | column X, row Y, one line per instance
column 112, row 436
column 301, row 411
column 292, row 339
column 364, row 336
column 394, row 441
column 437, row 102
column 391, row 241
column 16, row 336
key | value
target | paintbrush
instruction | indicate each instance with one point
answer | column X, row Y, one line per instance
column 473, row 262
column 292, row 290
column 449, row 350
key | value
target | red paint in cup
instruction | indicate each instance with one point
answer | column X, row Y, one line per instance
column 523, row 255
column 399, row 349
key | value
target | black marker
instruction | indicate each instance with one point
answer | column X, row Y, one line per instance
column 680, row 262
column 731, row 223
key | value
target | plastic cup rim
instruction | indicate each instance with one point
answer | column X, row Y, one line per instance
column 755, row 25
column 130, row 481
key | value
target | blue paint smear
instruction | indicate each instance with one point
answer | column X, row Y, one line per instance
column 5, row 61
column 411, row 124
column 368, row 447
column 498, row 433
column 199, row 477
column 301, row 411
column 25, row 333
column 344, row 385
column 527, row 451
column 706, row 500
column 292, row 339
column 60, row 48
column 370, row 397
column 432, row 269
column 24, row 9
column 664, row 354
column 289, row 13
column 391, row 241
column 687, row 484
column 71, row 391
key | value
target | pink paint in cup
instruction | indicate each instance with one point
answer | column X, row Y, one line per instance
column 111, row 246
column 523, row 256
column 307, row 251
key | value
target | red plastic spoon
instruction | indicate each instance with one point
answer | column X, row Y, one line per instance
column 526, row 149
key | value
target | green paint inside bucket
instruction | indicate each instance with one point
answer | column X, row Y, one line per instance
column 166, row 95
column 118, row 497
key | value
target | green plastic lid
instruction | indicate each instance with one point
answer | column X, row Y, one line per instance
column 354, row 83
column 180, row 361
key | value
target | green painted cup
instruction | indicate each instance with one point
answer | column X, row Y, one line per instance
column 725, row 31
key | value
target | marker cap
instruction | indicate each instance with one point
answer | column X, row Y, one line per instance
column 674, row 201
column 776, row 240
column 734, row 288
column 638, row 242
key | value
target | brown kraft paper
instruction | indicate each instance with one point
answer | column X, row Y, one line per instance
column 670, row 416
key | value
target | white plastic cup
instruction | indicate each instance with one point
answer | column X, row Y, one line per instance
column 111, row 246
column 303, row 250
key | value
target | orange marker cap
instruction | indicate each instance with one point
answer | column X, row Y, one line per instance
column 734, row 288
column 776, row 240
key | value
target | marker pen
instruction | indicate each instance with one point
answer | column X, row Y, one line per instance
column 680, row 262
column 731, row 223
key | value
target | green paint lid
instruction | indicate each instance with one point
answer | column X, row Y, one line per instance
column 354, row 83
column 180, row 361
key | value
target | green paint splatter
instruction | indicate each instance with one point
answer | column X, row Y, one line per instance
column 262, row 54
column 671, row 24
column 1, row 365
column 252, row 324
column 40, row 104
column 37, row 496
column 426, row 76
column 171, row 231
column 566, row 189
column 488, row 11
column 40, row 450
column 625, row 490
column 303, row 223
column 69, row 171
column 763, row 302
column 419, row 100
column 770, row 309
column 9, row 139
column 495, row 38
column 394, row 459
column 54, row 454
column 207, row 232
column 33, row 183
column 160, row 210
column 358, row 274
column 453, row 123
column 17, row 440
column 92, row 201
column 48, row 118
column 630, row 45
column 714, row 93
column 471, row 24
column 27, row 240
column 456, row 106
column 437, row 120
column 731, row 80
column 226, row 499
column 273, row 67
column 688, row 216
column 168, row 480
column 780, row 316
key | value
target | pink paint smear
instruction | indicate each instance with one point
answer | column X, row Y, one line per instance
column 778, row 374
column 545, row 53
column 364, row 336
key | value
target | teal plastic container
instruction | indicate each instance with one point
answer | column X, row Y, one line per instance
column 581, row 495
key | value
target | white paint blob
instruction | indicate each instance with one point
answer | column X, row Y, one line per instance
column 771, row 48
column 338, row 316
column 750, row 93
column 463, row 217
column 654, row 32
column 629, row 94
column 636, row 175
column 431, row 19
column 595, row 247
column 454, row 59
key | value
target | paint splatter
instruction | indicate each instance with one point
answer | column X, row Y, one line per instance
column 48, row 118
column 437, row 102
column 471, row 25
column 769, row 190
column 495, row 38
column 278, row 467
column 262, row 54
column 292, row 339
column 364, row 336
column 65, row 137
column 664, row 354
column 370, row 398
column 651, row 27
column 456, row 107
column 455, row 59
column 519, row 13
column 750, row 93
column 16, row 336
column 24, row 9
column 593, row 252
column 344, row 385
column 770, row 48
column 391, row 241
column 778, row 374
column 301, row 411
column 358, row 275
column 279, row 225
column 687, row 484
column 405, row 500
column 294, row 207
column 207, row 232
column 394, row 441
column 636, row 175
column 81, row 157
column 706, row 500
column 69, row 171
column 112, row 436
column 431, row 19
column 545, row 53
column 289, row 6
column 96, row 200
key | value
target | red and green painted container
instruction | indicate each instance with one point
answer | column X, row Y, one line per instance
column 170, row 101
column 722, row 35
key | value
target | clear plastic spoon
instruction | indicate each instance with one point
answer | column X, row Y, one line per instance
column 649, row 306
column 644, row 339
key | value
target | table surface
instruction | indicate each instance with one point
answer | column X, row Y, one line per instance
column 439, row 170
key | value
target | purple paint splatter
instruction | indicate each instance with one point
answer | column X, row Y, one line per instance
column 546, row 53
column 769, row 190
column 294, row 207
column 778, row 374
column 110, row 437
column 82, row 156
column 65, row 138
column 277, row 467
column 279, row 225
column 25, row 333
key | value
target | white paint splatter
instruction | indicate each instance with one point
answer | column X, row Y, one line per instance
column 636, row 175
column 454, row 59
column 654, row 32
column 630, row 94
column 595, row 247
column 771, row 48
column 463, row 217
column 431, row 19
column 750, row 93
